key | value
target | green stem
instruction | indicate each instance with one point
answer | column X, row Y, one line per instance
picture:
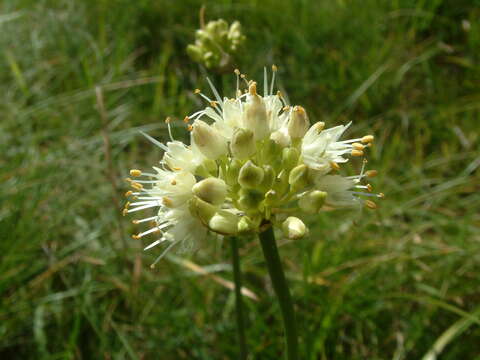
column 274, row 265
column 237, row 278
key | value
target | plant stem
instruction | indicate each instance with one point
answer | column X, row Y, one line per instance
column 274, row 265
column 237, row 278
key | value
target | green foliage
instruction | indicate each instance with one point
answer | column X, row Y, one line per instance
column 79, row 79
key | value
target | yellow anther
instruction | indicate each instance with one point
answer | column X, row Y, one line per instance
column 236, row 71
column 279, row 94
column 369, row 188
column 213, row 103
column 167, row 202
column 299, row 109
column 367, row 139
column 136, row 237
column 186, row 119
column 242, row 76
column 127, row 205
column 274, row 68
column 128, row 193
column 136, row 185
column 152, row 266
column 167, row 120
column 371, row 173
column 124, row 212
column 356, row 152
column 334, row 165
column 128, row 180
column 197, row 91
column 252, row 89
column 177, row 168
column 173, row 182
column 189, row 127
column 135, row 172
column 381, row 195
column 319, row 126
column 286, row 108
column 135, row 222
column 370, row 204
column 358, row 146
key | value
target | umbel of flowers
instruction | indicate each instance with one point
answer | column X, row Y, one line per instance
column 253, row 162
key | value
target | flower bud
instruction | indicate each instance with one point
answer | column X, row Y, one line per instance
column 232, row 172
column 208, row 140
column 294, row 228
column 268, row 177
column 312, row 201
column 298, row 177
column 245, row 225
column 298, row 123
column 281, row 137
column 201, row 209
column 255, row 114
column 224, row 222
column 250, row 200
column 290, row 157
column 211, row 190
column 243, row 144
column 270, row 153
column 250, row 175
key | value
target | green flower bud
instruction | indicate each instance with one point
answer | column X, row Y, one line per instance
column 250, row 200
column 255, row 114
column 211, row 190
column 243, row 144
column 271, row 153
column 312, row 201
column 232, row 172
column 245, row 225
column 201, row 209
column 298, row 123
column 294, row 228
column 290, row 157
column 298, row 178
column 268, row 177
column 224, row 222
column 208, row 140
column 250, row 175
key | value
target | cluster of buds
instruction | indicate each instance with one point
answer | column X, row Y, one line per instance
column 253, row 161
column 216, row 44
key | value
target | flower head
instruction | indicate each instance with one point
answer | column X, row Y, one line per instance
column 252, row 160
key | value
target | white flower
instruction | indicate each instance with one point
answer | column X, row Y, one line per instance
column 208, row 140
column 181, row 157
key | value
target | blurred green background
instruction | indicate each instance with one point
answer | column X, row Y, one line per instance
column 80, row 78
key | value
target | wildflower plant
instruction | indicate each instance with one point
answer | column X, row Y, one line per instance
column 252, row 163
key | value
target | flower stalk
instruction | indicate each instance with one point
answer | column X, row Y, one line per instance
column 275, row 270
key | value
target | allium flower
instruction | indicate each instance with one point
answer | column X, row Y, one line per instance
column 252, row 160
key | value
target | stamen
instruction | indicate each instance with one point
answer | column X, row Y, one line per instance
column 136, row 185
column 144, row 220
column 381, row 195
column 163, row 254
column 197, row 91
column 370, row 204
column 367, row 139
column 215, row 92
column 274, row 71
column 356, row 153
column 128, row 193
column 186, row 119
column 189, row 127
column 167, row 202
column 371, row 173
column 252, row 89
column 156, row 142
column 369, row 187
column 135, row 172
column 167, row 121
column 358, row 146
column 265, row 82
column 334, row 165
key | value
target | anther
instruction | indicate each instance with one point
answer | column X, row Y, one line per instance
column 370, row 204
column 136, row 237
column 128, row 180
column 274, row 68
column 367, row 139
column 213, row 104
column 358, row 146
column 186, row 119
column 252, row 89
column 236, row 71
column 369, row 188
column 127, row 205
column 371, row 173
column 356, row 152
column 152, row 266
column 128, row 193
column 279, row 94
column 167, row 202
column 189, row 127
column 136, row 185
column 381, row 195
column 286, row 108
column 173, row 182
column 167, row 120
column 135, row 222
column 124, row 212
column 135, row 173
column 197, row 91
column 334, row 165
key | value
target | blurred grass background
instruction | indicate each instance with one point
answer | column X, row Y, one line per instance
column 79, row 79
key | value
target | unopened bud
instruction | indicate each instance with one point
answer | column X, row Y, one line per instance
column 250, row 200
column 255, row 114
column 298, row 123
column 232, row 172
column 208, row 140
column 224, row 222
column 243, row 144
column 250, row 175
column 211, row 190
column 312, row 201
column 294, row 228
column 245, row 225
column 298, row 177
column 290, row 157
column 201, row 209
column 268, row 177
